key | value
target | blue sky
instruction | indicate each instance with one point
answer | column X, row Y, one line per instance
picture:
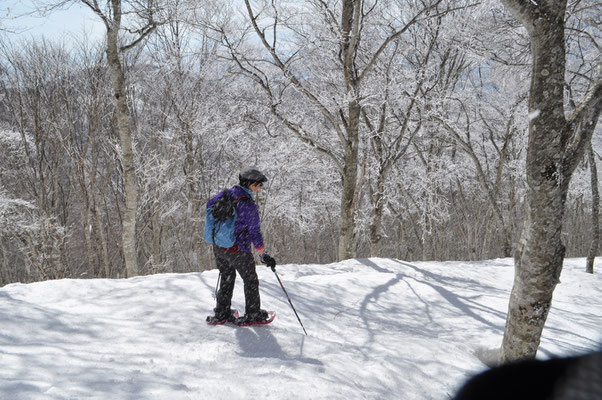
column 66, row 24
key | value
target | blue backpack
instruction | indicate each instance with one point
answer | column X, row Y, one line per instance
column 220, row 221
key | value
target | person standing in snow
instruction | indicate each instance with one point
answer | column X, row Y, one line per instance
column 247, row 233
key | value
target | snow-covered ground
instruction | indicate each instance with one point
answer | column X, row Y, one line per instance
column 378, row 329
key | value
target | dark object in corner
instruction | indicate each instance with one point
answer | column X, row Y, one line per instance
column 573, row 378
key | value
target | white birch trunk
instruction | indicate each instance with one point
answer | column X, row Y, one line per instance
column 128, row 238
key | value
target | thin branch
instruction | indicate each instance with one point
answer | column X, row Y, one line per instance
column 147, row 30
column 582, row 122
column 313, row 99
column 394, row 36
column 93, row 5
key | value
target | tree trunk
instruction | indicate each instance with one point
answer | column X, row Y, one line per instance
column 128, row 236
column 194, row 196
column 555, row 145
column 104, row 251
column 347, row 228
column 593, row 249
column 540, row 253
column 5, row 276
column 349, row 37
column 88, row 234
column 157, row 252
column 377, row 217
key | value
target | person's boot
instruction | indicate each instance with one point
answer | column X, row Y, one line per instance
column 257, row 318
column 222, row 318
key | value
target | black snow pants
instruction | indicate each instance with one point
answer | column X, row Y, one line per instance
column 228, row 264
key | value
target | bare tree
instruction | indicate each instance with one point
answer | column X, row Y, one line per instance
column 556, row 145
column 187, row 84
column 31, row 87
column 143, row 17
column 354, row 52
column 593, row 249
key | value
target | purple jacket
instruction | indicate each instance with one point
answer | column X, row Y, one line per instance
column 247, row 228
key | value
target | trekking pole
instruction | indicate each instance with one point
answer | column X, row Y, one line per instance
column 289, row 300
column 219, row 277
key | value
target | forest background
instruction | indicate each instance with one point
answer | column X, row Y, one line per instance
column 414, row 147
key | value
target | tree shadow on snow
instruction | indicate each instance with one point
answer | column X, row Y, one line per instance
column 464, row 304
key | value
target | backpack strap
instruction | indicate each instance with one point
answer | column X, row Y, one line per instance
column 242, row 198
column 238, row 200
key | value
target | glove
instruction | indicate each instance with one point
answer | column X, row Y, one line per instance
column 268, row 260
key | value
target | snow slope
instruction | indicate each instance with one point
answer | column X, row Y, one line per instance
column 378, row 329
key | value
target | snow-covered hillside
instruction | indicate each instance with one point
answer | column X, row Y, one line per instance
column 378, row 329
